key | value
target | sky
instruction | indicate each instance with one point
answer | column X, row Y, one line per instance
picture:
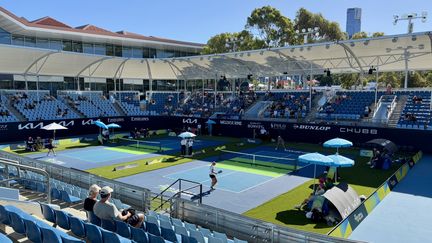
column 198, row 20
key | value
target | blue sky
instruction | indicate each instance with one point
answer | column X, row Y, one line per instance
column 198, row 20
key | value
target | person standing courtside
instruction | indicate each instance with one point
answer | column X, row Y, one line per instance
column 183, row 146
column 190, row 147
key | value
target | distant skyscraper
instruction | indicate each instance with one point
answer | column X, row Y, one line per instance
column 353, row 24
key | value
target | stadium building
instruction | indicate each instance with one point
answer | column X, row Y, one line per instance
column 145, row 117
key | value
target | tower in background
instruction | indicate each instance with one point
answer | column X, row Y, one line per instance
column 353, row 24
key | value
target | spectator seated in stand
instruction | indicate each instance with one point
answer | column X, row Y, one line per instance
column 105, row 210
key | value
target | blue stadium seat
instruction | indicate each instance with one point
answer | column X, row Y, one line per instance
column 49, row 236
column 4, row 239
column 66, row 197
column 153, row 229
column 93, row 218
column 93, row 233
column 165, row 223
column 122, row 229
column 221, row 236
column 177, row 222
column 4, row 215
column 168, row 234
column 48, row 213
column 77, row 226
column 181, row 230
column 33, row 231
column 239, row 241
column 17, row 223
column 55, row 193
column 197, row 235
column 69, row 239
column 190, row 227
column 108, row 224
column 188, row 239
column 155, row 239
column 62, row 219
column 206, row 232
column 138, row 235
column 212, row 239
column 111, row 237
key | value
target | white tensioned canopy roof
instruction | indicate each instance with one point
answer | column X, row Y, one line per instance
column 389, row 53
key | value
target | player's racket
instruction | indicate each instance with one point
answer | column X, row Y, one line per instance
column 220, row 171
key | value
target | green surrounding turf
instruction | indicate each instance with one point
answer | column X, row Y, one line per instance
column 259, row 167
column 280, row 210
column 125, row 149
column 64, row 145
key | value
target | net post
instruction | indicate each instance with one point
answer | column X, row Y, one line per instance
column 253, row 160
column 201, row 195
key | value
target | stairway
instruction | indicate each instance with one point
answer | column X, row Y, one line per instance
column 119, row 108
column 14, row 111
column 65, row 101
column 314, row 107
column 255, row 110
column 394, row 118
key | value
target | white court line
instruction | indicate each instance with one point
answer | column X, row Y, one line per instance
column 259, row 184
column 194, row 168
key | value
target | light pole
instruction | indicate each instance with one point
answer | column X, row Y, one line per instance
column 406, row 56
column 233, row 43
column 410, row 18
column 313, row 32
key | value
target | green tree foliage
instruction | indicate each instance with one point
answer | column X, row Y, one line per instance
column 359, row 35
column 329, row 30
column 269, row 25
column 218, row 43
column 378, row 34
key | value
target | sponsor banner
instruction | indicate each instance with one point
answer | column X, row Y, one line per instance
column 231, row 122
column 139, row 119
column 358, row 130
column 311, row 127
column 278, row 126
column 255, row 125
column 189, row 120
column 356, row 217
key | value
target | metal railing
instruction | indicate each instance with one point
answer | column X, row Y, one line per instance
column 136, row 196
column 178, row 193
column 13, row 163
column 243, row 227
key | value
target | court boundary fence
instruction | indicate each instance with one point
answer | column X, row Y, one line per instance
column 135, row 196
column 243, row 227
column 353, row 220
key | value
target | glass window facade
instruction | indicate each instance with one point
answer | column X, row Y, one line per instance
column 90, row 48
column 353, row 24
column 5, row 37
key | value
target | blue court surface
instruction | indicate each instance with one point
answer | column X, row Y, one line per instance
column 91, row 157
column 229, row 180
column 403, row 216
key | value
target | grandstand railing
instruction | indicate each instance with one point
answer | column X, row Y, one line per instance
column 13, row 163
column 135, row 196
column 243, row 227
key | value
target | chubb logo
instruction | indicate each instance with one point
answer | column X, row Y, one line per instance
column 280, row 126
column 311, row 127
column 358, row 217
column 31, row 125
column 359, row 130
column 190, row 121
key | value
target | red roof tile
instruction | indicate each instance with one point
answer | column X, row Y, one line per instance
column 92, row 28
column 50, row 22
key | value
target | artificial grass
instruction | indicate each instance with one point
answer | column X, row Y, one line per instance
column 281, row 210
column 64, row 145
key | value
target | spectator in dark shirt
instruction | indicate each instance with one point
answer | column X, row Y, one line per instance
column 91, row 200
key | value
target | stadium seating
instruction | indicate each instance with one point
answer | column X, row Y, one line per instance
column 348, row 105
column 164, row 103
column 40, row 105
column 130, row 103
column 287, row 104
column 417, row 111
column 5, row 114
column 90, row 103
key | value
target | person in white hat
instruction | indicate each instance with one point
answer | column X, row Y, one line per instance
column 103, row 209
column 91, row 200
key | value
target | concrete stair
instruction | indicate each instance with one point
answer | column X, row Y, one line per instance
column 394, row 118
column 14, row 111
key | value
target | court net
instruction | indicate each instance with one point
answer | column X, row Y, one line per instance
column 257, row 160
column 140, row 144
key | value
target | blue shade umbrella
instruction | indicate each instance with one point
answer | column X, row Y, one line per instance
column 187, row 135
column 338, row 143
column 315, row 159
column 101, row 124
column 210, row 122
column 113, row 125
column 340, row 161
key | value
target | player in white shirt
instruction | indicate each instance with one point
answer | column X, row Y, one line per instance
column 212, row 174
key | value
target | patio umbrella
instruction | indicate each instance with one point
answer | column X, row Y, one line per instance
column 338, row 143
column 340, row 161
column 101, row 124
column 210, row 122
column 315, row 159
column 53, row 127
column 113, row 125
column 187, row 135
